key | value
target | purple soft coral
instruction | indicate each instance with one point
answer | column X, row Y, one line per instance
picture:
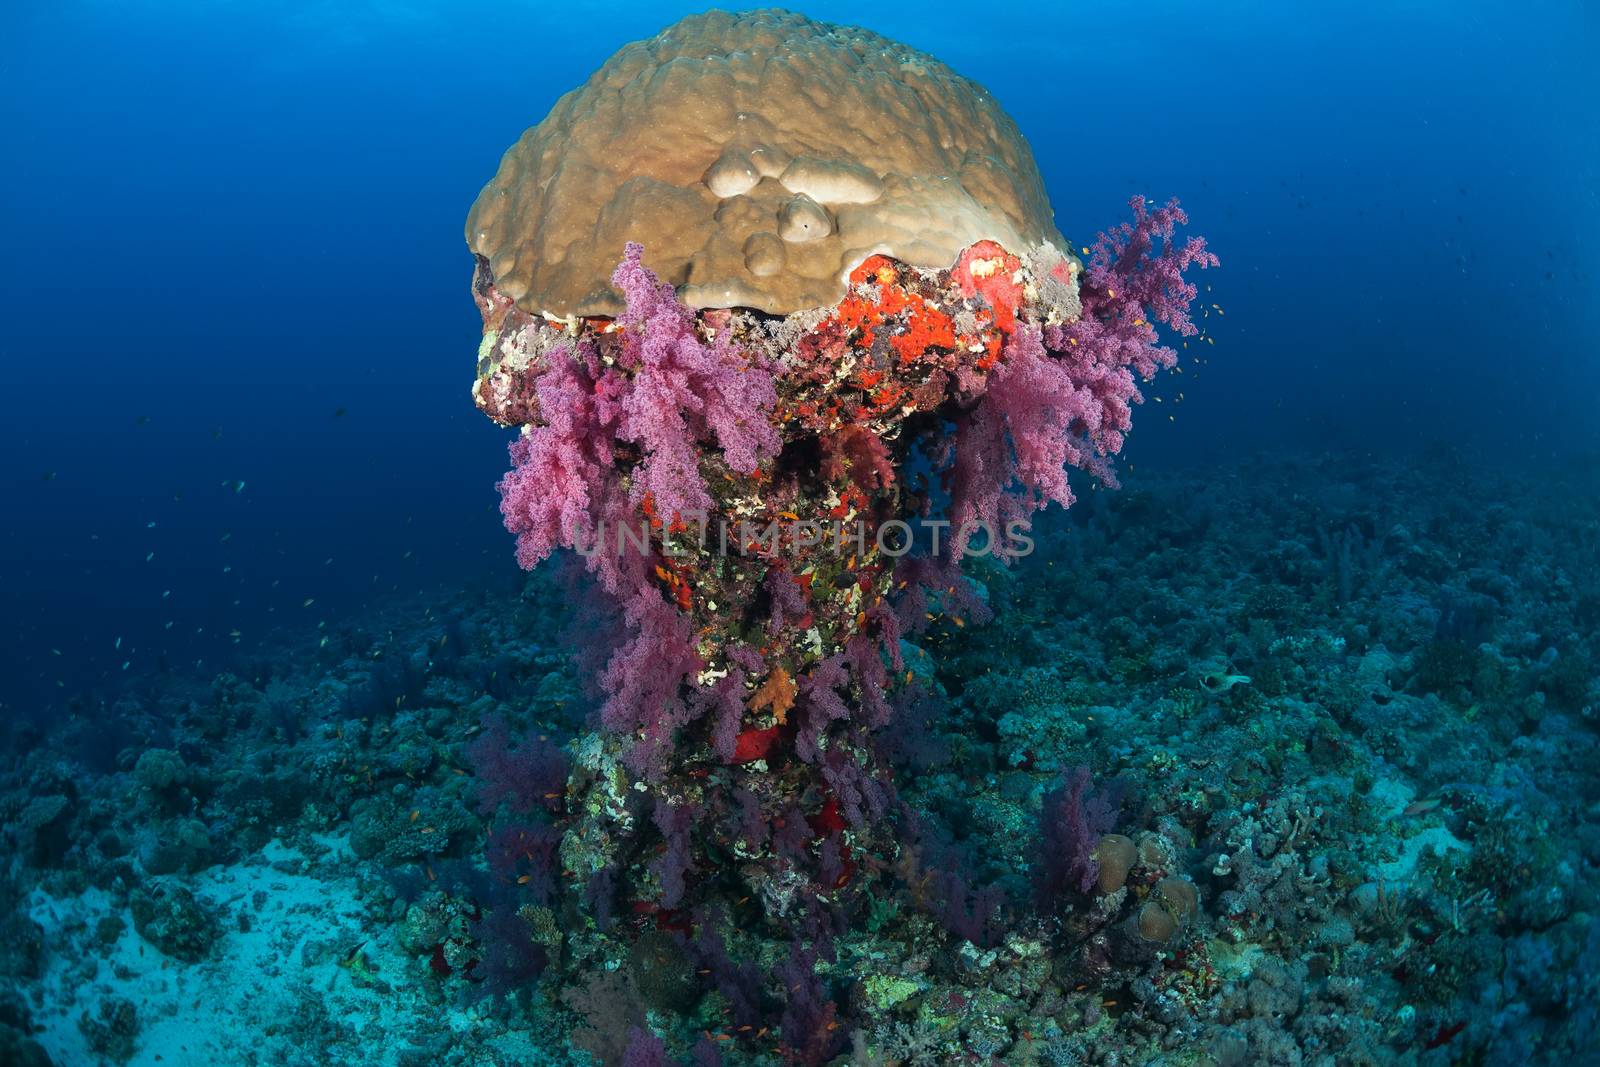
column 1074, row 818
column 685, row 393
column 1062, row 397
column 811, row 1034
column 644, row 680
column 670, row 396
column 528, row 778
column 549, row 496
column 1037, row 418
column 1127, row 272
column 645, row 1050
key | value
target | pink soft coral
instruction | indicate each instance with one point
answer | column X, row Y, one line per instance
column 1063, row 397
column 685, row 393
column 675, row 398
column 671, row 395
column 549, row 497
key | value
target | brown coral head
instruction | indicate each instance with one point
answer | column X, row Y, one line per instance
column 1155, row 852
column 759, row 156
column 1156, row 923
column 1115, row 856
column 1172, row 901
column 1178, row 895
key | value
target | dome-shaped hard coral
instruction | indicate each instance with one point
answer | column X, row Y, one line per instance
column 759, row 157
column 1115, row 855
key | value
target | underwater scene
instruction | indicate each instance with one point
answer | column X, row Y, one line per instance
column 631, row 535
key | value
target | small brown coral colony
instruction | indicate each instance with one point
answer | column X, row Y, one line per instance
column 1115, row 855
column 1171, row 902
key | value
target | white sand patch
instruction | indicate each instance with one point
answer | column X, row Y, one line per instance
column 1390, row 796
column 269, row 994
column 1436, row 838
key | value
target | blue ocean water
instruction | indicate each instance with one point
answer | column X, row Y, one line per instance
column 238, row 338
column 229, row 224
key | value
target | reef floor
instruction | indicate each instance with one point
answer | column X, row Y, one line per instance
column 1355, row 703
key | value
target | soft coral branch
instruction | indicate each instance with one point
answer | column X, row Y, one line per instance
column 1063, row 396
column 685, row 394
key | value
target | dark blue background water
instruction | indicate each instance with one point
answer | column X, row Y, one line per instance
column 223, row 223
